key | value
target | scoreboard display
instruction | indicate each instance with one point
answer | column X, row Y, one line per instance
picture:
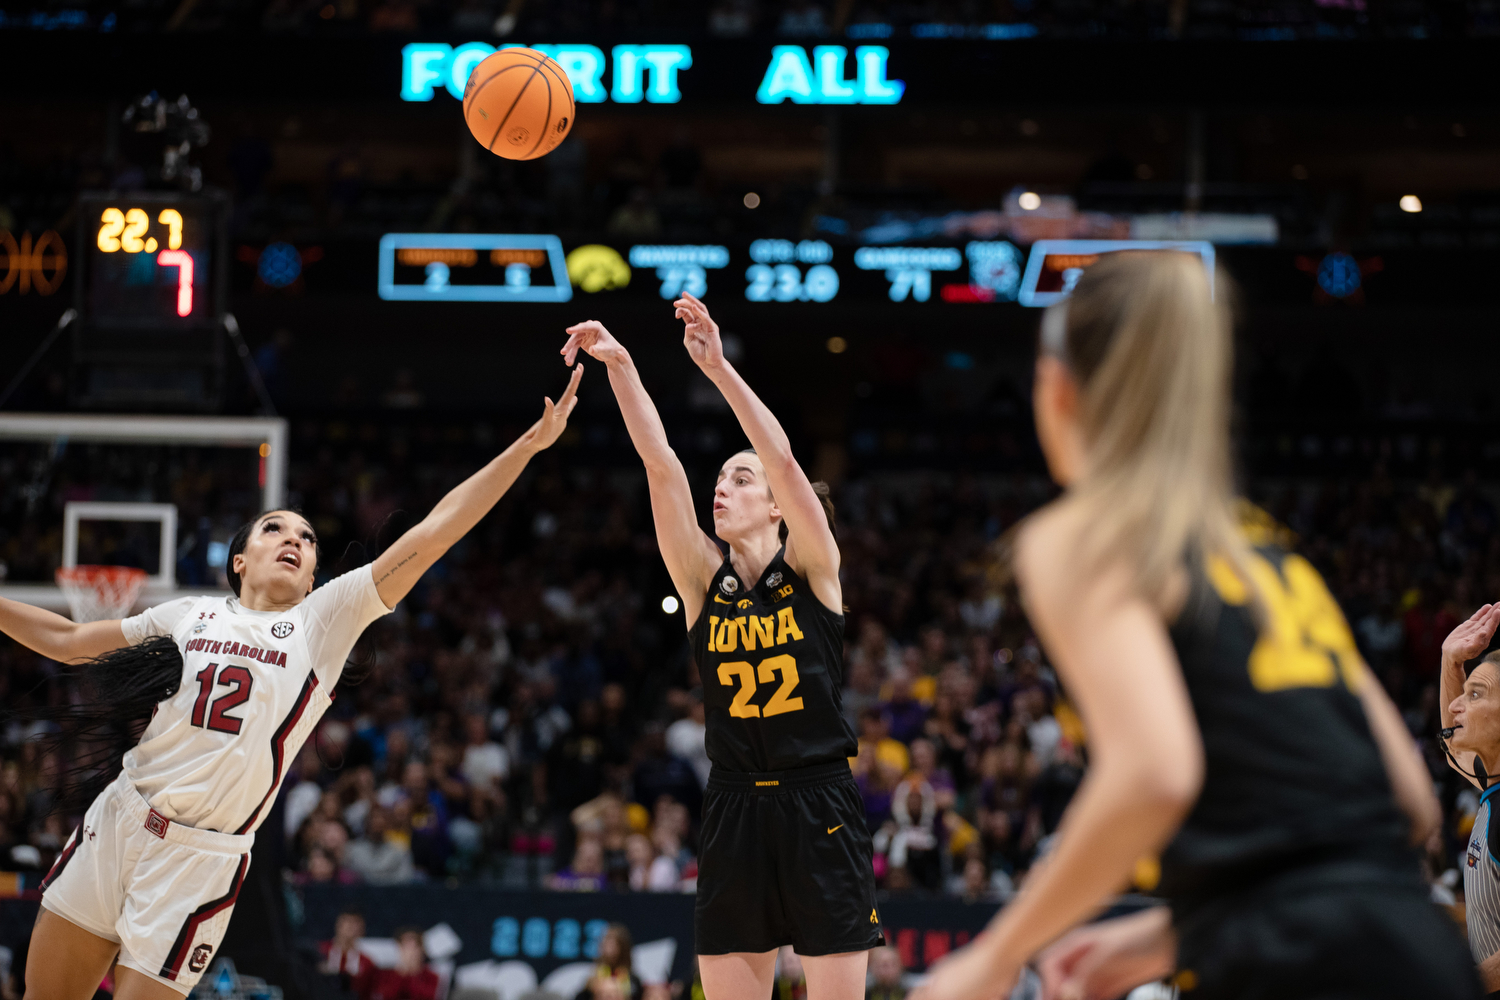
column 473, row 267
column 151, row 261
column 1056, row 265
column 477, row 267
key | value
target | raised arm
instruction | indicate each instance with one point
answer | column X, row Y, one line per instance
column 1145, row 771
column 54, row 636
column 399, row 567
column 691, row 556
column 1470, row 639
column 810, row 547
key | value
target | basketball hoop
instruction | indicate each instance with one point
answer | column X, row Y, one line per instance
column 98, row 593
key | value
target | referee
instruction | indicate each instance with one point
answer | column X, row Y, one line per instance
column 1471, row 713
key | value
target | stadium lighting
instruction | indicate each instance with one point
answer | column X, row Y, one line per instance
column 669, row 604
column 752, row 200
column 837, row 345
column 1411, row 203
column 1029, row 201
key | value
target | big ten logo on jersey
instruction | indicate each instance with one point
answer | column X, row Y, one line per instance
column 1305, row 641
column 538, row 937
column 726, row 635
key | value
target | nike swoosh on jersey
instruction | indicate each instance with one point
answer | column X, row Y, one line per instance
column 835, row 829
column 721, row 600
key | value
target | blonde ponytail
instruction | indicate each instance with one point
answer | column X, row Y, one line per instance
column 1152, row 353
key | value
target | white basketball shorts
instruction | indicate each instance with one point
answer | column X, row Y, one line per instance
column 163, row 891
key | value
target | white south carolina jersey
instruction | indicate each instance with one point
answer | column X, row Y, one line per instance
column 254, row 684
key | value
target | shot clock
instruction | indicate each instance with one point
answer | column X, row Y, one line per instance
column 151, row 261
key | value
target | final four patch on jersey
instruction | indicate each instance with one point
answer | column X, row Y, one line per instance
column 199, row 627
column 729, row 585
column 774, row 580
column 1473, row 851
column 282, row 629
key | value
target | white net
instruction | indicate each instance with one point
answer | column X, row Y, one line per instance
column 98, row 593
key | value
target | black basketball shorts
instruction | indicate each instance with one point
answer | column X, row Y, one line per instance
column 1342, row 942
column 786, row 859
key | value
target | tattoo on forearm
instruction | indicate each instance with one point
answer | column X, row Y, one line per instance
column 393, row 569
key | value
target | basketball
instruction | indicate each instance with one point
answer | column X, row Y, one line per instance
column 519, row 104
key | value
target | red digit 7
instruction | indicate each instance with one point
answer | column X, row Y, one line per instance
column 205, row 688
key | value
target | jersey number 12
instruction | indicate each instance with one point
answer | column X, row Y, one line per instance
column 215, row 716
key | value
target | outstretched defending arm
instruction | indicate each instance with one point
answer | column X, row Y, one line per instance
column 691, row 556
column 810, row 549
column 54, row 636
column 399, row 567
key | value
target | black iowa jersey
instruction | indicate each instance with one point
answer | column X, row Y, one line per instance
column 771, row 656
column 1294, row 777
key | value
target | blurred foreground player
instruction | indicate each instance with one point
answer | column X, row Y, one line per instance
column 1224, row 697
column 786, row 856
column 1471, row 730
column 234, row 686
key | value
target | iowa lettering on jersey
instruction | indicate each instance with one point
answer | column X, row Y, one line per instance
column 1305, row 641
column 270, row 656
column 726, row 635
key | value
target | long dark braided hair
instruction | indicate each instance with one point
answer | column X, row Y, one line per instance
column 109, row 700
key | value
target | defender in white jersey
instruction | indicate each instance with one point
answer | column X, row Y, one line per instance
column 152, row 874
column 1471, row 721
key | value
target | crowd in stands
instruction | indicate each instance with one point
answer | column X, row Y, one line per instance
column 531, row 715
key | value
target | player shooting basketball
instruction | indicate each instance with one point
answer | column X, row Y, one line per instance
column 786, row 855
column 234, row 686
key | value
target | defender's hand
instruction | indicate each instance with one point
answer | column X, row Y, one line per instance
column 971, row 973
column 1099, row 962
column 554, row 420
column 594, row 340
column 700, row 334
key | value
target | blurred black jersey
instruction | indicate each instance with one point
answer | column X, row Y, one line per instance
column 771, row 656
column 1294, row 777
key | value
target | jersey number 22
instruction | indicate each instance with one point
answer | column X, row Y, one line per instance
column 780, row 702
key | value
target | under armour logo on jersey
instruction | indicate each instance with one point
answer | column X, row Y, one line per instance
column 729, row 585
column 774, row 580
column 282, row 629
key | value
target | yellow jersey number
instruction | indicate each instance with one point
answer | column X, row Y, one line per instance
column 1305, row 641
column 781, row 702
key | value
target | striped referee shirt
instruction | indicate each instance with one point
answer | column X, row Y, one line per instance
column 1482, row 882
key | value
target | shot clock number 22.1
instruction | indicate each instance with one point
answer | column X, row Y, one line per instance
column 128, row 232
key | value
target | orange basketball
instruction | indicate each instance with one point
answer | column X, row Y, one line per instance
column 519, row 104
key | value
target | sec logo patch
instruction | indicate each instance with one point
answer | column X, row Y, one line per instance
column 282, row 629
